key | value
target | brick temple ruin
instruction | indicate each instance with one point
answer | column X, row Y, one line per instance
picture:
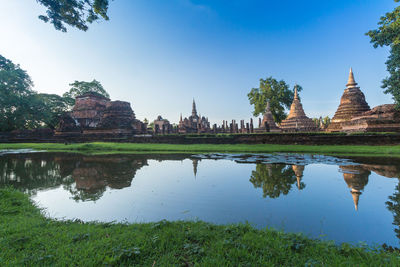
column 355, row 115
column 96, row 115
column 194, row 123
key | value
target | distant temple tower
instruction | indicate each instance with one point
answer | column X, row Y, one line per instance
column 352, row 104
column 194, row 123
column 297, row 121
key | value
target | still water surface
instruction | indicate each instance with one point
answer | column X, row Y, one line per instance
column 341, row 199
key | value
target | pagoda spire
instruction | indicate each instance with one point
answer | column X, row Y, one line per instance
column 181, row 118
column 194, row 111
column 356, row 197
column 351, row 82
column 296, row 95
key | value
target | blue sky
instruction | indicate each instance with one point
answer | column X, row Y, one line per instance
column 159, row 54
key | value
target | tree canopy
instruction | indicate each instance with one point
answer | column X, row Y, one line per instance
column 81, row 87
column 15, row 91
column 20, row 106
column 75, row 13
column 388, row 34
column 277, row 93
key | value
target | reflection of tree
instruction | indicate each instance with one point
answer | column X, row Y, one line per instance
column 31, row 173
column 274, row 179
column 393, row 206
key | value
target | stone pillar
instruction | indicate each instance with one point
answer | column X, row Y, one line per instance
column 251, row 126
column 259, row 122
column 247, row 127
column 163, row 129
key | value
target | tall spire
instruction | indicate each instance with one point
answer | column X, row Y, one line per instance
column 356, row 197
column 181, row 118
column 194, row 111
column 351, row 82
column 296, row 95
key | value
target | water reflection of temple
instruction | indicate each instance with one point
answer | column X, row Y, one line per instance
column 195, row 163
column 298, row 171
column 356, row 178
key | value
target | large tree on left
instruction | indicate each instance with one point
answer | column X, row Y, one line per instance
column 15, row 92
column 23, row 108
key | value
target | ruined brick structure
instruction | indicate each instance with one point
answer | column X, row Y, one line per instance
column 297, row 121
column 352, row 104
column 267, row 124
column 94, row 114
column 162, row 126
column 195, row 123
column 354, row 114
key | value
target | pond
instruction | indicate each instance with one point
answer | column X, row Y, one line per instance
column 345, row 199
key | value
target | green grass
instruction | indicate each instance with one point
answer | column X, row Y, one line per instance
column 100, row 147
column 27, row 238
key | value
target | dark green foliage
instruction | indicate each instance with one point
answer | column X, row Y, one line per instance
column 75, row 13
column 15, row 92
column 393, row 205
column 29, row 239
column 20, row 106
column 277, row 93
column 388, row 34
column 81, row 87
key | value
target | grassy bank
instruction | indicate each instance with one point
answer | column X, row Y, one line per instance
column 28, row 238
column 207, row 148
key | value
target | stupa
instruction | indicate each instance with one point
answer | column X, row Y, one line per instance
column 351, row 105
column 268, row 120
column 297, row 121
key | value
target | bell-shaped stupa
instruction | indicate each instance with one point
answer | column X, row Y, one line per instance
column 352, row 104
column 268, row 120
column 297, row 121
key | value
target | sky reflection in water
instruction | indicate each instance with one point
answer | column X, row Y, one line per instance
column 352, row 199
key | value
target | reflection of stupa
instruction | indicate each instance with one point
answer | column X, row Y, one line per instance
column 356, row 178
column 298, row 171
column 195, row 164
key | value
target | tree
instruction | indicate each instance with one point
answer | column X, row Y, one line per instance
column 81, row 87
column 15, row 89
column 277, row 93
column 75, row 13
column 23, row 108
column 48, row 109
column 388, row 34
